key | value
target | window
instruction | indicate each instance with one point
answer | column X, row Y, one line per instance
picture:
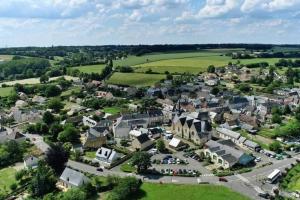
column 214, row 157
column 220, row 161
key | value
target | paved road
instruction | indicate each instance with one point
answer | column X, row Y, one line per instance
column 38, row 141
column 248, row 183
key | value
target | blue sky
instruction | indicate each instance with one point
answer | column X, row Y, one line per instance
column 99, row 22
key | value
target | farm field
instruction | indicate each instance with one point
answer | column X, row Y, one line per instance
column 135, row 79
column 137, row 60
column 32, row 81
column 195, row 64
column 151, row 191
column 90, row 68
column 4, row 92
column 5, row 57
column 7, row 177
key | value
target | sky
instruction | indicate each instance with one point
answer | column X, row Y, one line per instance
column 103, row 22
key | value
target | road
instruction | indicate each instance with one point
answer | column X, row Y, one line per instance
column 248, row 184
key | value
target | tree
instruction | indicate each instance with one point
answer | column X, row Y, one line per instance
column 44, row 78
column 69, row 134
column 56, row 157
column 287, row 110
column 55, row 129
column 142, row 160
column 55, row 104
column 74, row 194
column 169, row 77
column 160, row 145
column 276, row 118
column 275, row 146
column 52, row 91
column 43, row 180
column 125, row 188
column 215, row 90
column 48, row 118
column 211, row 69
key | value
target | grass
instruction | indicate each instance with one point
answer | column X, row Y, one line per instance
column 178, row 192
column 6, row 91
column 90, row 154
column 69, row 91
column 195, row 65
column 268, row 133
column 112, row 110
column 127, row 167
column 90, row 68
column 7, row 178
column 291, row 181
column 135, row 79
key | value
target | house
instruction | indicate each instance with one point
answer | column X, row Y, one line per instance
column 225, row 155
column 104, row 95
column 95, row 137
column 38, row 99
column 71, row 178
column 238, row 102
column 194, row 126
column 175, row 143
column 87, row 121
column 106, row 156
column 30, row 162
column 125, row 123
column 141, row 142
column 7, row 134
column 252, row 145
column 25, row 115
column 156, row 117
column 228, row 134
column 21, row 104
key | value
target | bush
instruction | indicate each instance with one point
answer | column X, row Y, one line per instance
column 13, row 186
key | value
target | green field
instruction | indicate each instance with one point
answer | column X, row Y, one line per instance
column 90, row 68
column 6, row 91
column 112, row 110
column 195, row 64
column 7, row 177
column 135, row 79
column 152, row 191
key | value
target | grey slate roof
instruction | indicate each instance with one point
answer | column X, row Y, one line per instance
column 73, row 177
column 229, row 133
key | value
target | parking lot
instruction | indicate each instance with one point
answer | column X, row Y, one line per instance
column 179, row 162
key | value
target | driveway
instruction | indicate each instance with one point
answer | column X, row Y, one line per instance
column 38, row 141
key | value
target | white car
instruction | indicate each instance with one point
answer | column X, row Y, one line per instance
column 258, row 159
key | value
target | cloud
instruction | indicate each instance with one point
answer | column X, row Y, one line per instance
column 274, row 5
column 216, row 8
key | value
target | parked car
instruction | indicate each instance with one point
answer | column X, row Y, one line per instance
column 258, row 159
column 222, row 179
column 99, row 169
column 264, row 195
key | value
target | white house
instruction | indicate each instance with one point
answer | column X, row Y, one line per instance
column 106, row 156
column 30, row 162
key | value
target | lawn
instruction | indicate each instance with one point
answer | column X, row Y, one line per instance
column 127, row 167
column 6, row 91
column 7, row 177
column 179, row 192
column 90, row 154
column 112, row 110
column 135, row 79
column 70, row 91
column 90, row 68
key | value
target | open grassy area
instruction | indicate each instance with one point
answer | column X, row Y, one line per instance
column 127, row 167
column 7, row 177
column 90, row 154
column 179, row 192
column 70, row 90
column 195, row 64
column 291, row 181
column 112, row 110
column 6, row 91
column 135, row 79
column 90, row 68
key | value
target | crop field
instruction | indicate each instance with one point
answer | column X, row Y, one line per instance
column 137, row 60
column 32, row 81
column 90, row 68
column 152, row 191
column 5, row 57
column 135, row 79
